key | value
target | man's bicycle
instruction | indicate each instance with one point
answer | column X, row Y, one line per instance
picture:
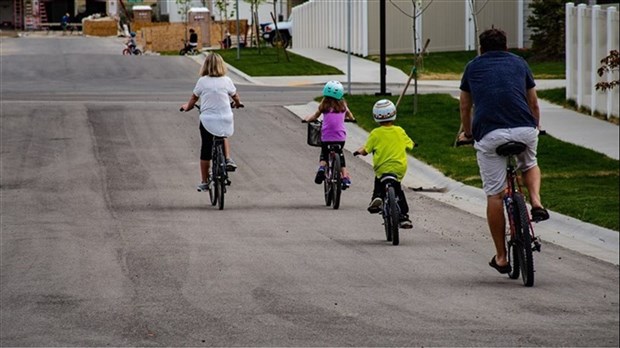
column 522, row 240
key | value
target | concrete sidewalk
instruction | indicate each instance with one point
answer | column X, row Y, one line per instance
column 561, row 123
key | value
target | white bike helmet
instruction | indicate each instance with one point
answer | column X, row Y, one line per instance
column 384, row 111
column 334, row 90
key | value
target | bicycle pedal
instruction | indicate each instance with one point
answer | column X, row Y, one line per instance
column 228, row 182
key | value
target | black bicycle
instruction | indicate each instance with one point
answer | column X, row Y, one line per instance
column 219, row 173
column 332, row 184
column 219, row 179
column 390, row 209
column 522, row 241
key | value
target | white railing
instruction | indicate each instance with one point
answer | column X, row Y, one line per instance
column 590, row 34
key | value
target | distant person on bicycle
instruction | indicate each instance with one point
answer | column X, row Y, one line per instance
column 192, row 44
column 388, row 144
column 500, row 87
column 214, row 89
column 334, row 109
column 131, row 43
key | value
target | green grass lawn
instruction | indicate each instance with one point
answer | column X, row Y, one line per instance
column 576, row 181
column 273, row 62
column 450, row 65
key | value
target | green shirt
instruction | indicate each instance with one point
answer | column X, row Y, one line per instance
column 389, row 145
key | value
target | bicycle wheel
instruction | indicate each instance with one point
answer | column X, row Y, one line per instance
column 524, row 240
column 513, row 259
column 327, row 187
column 126, row 52
column 220, row 180
column 336, row 182
column 394, row 215
column 214, row 188
column 221, row 184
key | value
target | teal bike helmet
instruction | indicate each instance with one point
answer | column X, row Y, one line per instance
column 383, row 111
column 333, row 89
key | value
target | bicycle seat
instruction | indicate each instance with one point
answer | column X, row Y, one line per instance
column 511, row 148
column 334, row 147
column 388, row 176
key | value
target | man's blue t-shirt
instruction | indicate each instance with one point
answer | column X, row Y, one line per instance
column 498, row 82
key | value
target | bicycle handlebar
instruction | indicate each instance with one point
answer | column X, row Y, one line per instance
column 345, row 120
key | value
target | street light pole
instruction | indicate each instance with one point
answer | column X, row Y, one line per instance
column 382, row 63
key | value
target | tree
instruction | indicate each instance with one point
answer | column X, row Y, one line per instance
column 547, row 24
column 609, row 64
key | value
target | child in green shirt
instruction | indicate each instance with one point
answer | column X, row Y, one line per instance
column 388, row 144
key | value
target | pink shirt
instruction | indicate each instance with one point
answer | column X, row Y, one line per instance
column 333, row 127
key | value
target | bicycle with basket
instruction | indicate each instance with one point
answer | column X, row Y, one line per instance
column 332, row 185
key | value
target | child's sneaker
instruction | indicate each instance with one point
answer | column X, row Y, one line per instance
column 231, row 166
column 204, row 186
column 320, row 176
column 375, row 205
column 346, row 182
column 405, row 222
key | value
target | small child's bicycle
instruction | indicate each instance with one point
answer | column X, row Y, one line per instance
column 521, row 241
column 332, row 184
column 390, row 209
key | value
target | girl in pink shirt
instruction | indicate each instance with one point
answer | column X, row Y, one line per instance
column 334, row 109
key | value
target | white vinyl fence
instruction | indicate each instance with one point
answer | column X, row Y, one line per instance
column 324, row 24
column 591, row 33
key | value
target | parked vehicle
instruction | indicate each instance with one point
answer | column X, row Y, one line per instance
column 285, row 37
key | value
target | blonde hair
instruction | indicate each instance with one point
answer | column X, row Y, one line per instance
column 213, row 66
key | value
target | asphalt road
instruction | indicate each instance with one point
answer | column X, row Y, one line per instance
column 105, row 242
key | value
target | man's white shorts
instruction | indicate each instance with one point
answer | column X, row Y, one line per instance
column 493, row 166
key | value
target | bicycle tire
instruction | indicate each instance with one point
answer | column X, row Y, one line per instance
column 126, row 52
column 336, row 182
column 137, row 52
column 524, row 240
column 327, row 188
column 513, row 259
column 221, row 183
column 212, row 193
column 220, row 180
column 182, row 52
column 386, row 221
column 394, row 215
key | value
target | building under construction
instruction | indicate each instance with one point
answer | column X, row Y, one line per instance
column 38, row 14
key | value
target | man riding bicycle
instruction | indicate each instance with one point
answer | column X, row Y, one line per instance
column 501, row 89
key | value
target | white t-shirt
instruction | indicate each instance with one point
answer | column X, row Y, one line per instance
column 215, row 112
